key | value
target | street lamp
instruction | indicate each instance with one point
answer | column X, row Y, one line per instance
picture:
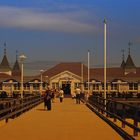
column 22, row 58
column 41, row 72
column 47, row 80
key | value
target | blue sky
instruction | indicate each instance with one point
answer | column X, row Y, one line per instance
column 64, row 30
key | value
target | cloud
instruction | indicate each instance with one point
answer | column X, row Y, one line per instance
column 42, row 20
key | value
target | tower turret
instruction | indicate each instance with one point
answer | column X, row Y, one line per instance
column 4, row 66
column 16, row 71
column 123, row 60
column 129, row 65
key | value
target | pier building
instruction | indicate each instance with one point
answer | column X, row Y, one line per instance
column 69, row 75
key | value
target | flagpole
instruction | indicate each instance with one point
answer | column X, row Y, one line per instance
column 105, row 61
column 82, row 72
column 88, row 70
column 82, row 78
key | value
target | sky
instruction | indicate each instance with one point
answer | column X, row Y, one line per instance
column 64, row 30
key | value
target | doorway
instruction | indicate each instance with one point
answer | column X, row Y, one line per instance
column 66, row 88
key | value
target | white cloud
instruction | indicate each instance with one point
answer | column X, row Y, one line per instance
column 42, row 20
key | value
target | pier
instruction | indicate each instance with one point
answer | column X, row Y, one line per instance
column 66, row 121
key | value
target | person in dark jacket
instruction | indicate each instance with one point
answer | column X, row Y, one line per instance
column 47, row 99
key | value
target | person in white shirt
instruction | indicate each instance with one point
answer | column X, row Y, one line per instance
column 61, row 95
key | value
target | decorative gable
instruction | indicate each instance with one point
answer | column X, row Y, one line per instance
column 66, row 76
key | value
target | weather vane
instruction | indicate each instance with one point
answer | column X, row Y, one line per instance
column 16, row 54
column 129, row 44
column 4, row 48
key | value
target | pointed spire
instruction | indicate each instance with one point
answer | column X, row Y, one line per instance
column 16, row 71
column 5, row 51
column 129, row 44
column 129, row 62
column 4, row 66
column 123, row 59
column 4, row 48
column 16, row 54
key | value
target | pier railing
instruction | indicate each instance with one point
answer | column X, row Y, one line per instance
column 12, row 108
column 117, row 110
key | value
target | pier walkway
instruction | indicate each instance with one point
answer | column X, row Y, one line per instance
column 66, row 121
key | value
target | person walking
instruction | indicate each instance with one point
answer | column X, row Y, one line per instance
column 61, row 95
column 78, row 96
column 47, row 99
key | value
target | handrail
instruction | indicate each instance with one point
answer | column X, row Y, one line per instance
column 119, row 118
column 120, row 131
column 18, row 106
column 112, row 100
column 111, row 110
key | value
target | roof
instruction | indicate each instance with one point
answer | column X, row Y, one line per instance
column 4, row 76
column 113, row 73
column 4, row 66
column 16, row 66
column 74, row 67
column 110, row 71
column 95, row 73
column 129, row 62
column 123, row 64
column 16, row 69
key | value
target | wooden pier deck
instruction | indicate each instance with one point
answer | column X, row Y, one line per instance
column 66, row 121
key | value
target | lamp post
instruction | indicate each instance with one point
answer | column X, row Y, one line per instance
column 22, row 58
column 105, row 61
column 82, row 77
column 47, row 82
column 41, row 72
column 88, row 71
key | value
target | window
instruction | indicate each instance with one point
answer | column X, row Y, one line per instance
column 27, row 86
column 113, row 86
column 36, row 86
column 76, row 85
column 133, row 86
column 16, row 86
column 103, row 86
column 95, row 86
column 55, row 85
column 0, row 86
column 130, row 86
column 44, row 86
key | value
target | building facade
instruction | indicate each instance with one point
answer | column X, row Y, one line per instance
column 69, row 75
